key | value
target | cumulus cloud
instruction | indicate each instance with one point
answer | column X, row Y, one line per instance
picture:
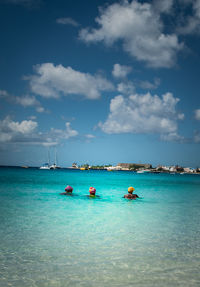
column 26, row 132
column 140, row 29
column 25, row 127
column 40, row 110
column 25, row 101
column 147, row 114
column 67, row 21
column 52, row 81
column 146, row 85
column 175, row 137
column 189, row 20
column 197, row 114
column 126, row 88
column 29, row 101
column 64, row 134
column 163, row 6
column 10, row 129
column 120, row 71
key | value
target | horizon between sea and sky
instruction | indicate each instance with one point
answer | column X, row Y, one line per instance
column 101, row 82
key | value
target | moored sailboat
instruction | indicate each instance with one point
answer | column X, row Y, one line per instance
column 46, row 165
column 55, row 166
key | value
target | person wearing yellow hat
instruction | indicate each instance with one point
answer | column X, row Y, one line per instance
column 130, row 194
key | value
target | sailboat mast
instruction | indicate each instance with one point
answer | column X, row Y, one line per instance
column 55, row 156
column 48, row 158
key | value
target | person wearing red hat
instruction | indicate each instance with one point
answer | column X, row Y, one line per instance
column 130, row 194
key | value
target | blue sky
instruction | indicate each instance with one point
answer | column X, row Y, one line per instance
column 100, row 81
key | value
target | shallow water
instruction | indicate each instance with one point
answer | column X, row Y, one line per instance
column 52, row 240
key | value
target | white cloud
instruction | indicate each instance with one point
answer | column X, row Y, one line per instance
column 64, row 134
column 25, row 101
column 25, row 127
column 25, row 132
column 126, row 88
column 55, row 136
column 67, row 21
column 40, row 110
column 163, row 6
column 10, row 129
column 145, row 114
column 138, row 26
column 150, row 85
column 172, row 137
column 120, row 71
column 89, row 136
column 52, row 81
column 180, row 116
column 3, row 94
column 32, row 117
column 189, row 21
column 197, row 114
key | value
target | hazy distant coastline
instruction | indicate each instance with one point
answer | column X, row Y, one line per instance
column 132, row 167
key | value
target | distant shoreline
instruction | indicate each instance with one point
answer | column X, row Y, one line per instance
column 101, row 169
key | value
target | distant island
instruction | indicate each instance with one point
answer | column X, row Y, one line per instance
column 139, row 168
column 133, row 167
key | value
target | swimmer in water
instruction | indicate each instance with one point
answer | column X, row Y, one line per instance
column 92, row 192
column 130, row 194
column 68, row 190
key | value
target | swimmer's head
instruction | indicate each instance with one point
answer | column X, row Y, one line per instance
column 131, row 189
column 92, row 191
column 69, row 189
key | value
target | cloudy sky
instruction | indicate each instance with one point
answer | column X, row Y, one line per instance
column 100, row 82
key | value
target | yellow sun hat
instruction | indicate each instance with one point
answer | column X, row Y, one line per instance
column 131, row 189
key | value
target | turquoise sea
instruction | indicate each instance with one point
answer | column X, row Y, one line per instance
column 47, row 239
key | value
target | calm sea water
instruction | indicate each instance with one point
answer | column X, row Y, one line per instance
column 47, row 239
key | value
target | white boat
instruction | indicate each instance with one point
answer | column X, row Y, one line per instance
column 55, row 166
column 46, row 165
column 143, row 171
